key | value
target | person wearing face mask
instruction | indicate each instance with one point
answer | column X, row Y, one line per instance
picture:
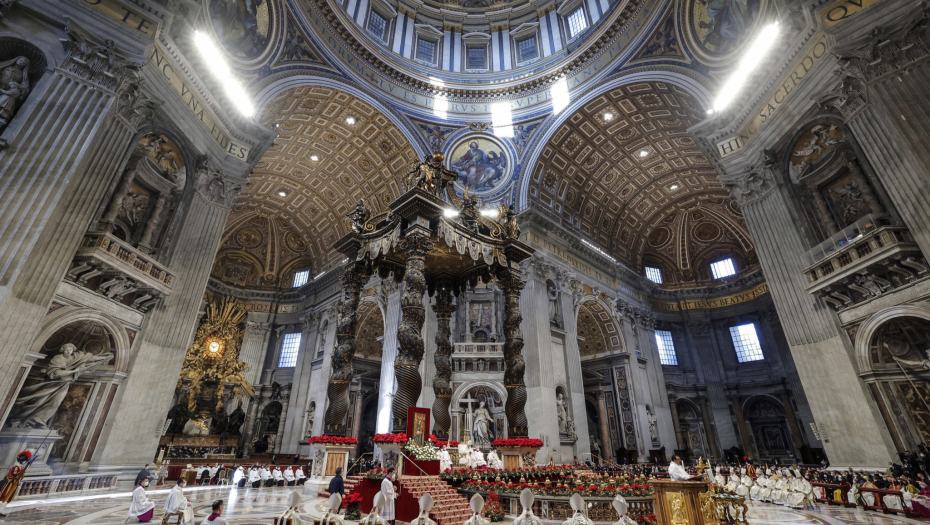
column 141, row 507
column 387, row 488
column 177, row 502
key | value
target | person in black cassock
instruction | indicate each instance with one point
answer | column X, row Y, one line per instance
column 336, row 485
column 144, row 474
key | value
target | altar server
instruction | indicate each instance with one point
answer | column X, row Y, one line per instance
column 445, row 459
column 278, row 477
column 289, row 477
column 301, row 477
column 141, row 507
column 387, row 489
column 255, row 478
column 177, row 502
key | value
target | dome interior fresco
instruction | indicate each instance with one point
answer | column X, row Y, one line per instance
column 363, row 161
column 260, row 251
column 635, row 184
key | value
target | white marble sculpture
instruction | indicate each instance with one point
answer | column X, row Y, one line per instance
column 477, row 504
column 527, row 517
column 374, row 517
column 36, row 405
column 579, row 517
column 481, row 420
column 621, row 506
column 426, row 503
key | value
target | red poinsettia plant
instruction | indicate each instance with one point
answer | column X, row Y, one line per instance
column 333, row 440
column 518, row 442
column 440, row 443
column 400, row 437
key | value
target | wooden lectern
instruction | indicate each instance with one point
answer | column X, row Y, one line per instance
column 680, row 502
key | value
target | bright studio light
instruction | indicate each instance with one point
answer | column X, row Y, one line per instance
column 490, row 212
column 440, row 103
column 751, row 60
column 450, row 213
column 502, row 119
column 216, row 62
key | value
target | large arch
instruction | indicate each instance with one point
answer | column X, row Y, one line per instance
column 679, row 77
column 71, row 314
column 870, row 327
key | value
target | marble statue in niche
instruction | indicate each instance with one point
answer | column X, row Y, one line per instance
column 553, row 294
column 14, row 87
column 566, row 425
column 311, row 413
column 653, row 423
column 36, row 405
column 481, row 428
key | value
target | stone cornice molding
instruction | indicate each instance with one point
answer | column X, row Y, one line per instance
column 887, row 51
column 214, row 187
column 755, row 183
column 94, row 60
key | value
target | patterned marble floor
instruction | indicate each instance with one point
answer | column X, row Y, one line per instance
column 248, row 506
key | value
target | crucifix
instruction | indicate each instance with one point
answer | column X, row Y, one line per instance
column 467, row 427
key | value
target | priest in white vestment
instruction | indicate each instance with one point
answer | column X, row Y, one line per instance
column 177, row 502
column 237, row 476
column 289, row 477
column 266, row 477
column 278, row 477
column 733, row 483
column 478, row 459
column 301, row 477
column 755, row 493
column 445, row 459
column 255, row 478
column 744, row 483
column 387, row 489
column 719, row 479
column 141, row 506
column 494, row 461
column 464, row 454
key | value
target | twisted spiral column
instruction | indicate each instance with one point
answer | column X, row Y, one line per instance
column 409, row 334
column 510, row 283
column 442, row 382
column 338, row 389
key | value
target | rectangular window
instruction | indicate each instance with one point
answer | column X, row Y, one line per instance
column 723, row 268
column 376, row 25
column 667, row 355
column 289, row 350
column 426, row 50
column 476, row 58
column 654, row 274
column 301, row 278
column 577, row 22
column 746, row 343
column 526, row 49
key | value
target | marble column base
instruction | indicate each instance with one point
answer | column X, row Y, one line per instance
column 38, row 441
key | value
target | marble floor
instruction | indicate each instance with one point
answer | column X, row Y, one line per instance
column 247, row 506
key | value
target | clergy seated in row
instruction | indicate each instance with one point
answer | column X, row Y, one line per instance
column 177, row 504
column 278, row 477
column 239, row 478
column 733, row 482
column 494, row 460
column 289, row 477
column 267, row 479
column 445, row 459
column 141, row 507
column 745, row 482
column 255, row 477
column 300, row 476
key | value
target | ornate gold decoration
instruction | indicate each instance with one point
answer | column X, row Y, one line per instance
column 676, row 508
column 214, row 355
column 709, row 508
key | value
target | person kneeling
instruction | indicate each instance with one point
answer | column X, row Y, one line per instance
column 214, row 518
column 141, row 507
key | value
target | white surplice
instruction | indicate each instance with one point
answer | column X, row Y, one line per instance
column 177, row 501
column 140, row 503
column 387, row 488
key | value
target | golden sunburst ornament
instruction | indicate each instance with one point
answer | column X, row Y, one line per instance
column 214, row 347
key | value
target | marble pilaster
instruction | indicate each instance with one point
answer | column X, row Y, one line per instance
column 255, row 344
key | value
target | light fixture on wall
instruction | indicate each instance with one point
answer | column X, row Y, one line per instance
column 217, row 64
column 751, row 60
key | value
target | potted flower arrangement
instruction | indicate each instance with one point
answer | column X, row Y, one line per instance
column 426, row 452
column 494, row 511
column 399, row 437
column 376, row 473
column 518, row 442
column 352, row 503
column 646, row 520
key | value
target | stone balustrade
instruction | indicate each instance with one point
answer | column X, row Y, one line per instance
column 478, row 357
column 868, row 260
column 113, row 268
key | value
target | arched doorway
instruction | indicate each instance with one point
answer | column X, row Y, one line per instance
column 766, row 421
column 692, row 428
column 367, row 426
column 267, row 428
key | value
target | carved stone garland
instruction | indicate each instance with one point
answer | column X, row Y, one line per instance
column 510, row 283
column 409, row 339
column 442, row 358
column 338, row 390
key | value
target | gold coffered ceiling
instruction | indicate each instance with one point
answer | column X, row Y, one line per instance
column 365, row 160
column 618, row 179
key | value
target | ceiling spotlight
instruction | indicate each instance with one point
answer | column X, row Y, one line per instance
column 643, row 153
column 608, row 116
column 282, row 193
column 217, row 64
column 277, row 125
column 314, row 158
column 350, row 120
column 673, row 187
column 490, row 212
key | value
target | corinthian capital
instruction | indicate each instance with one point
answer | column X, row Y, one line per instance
column 757, row 182
column 214, row 187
